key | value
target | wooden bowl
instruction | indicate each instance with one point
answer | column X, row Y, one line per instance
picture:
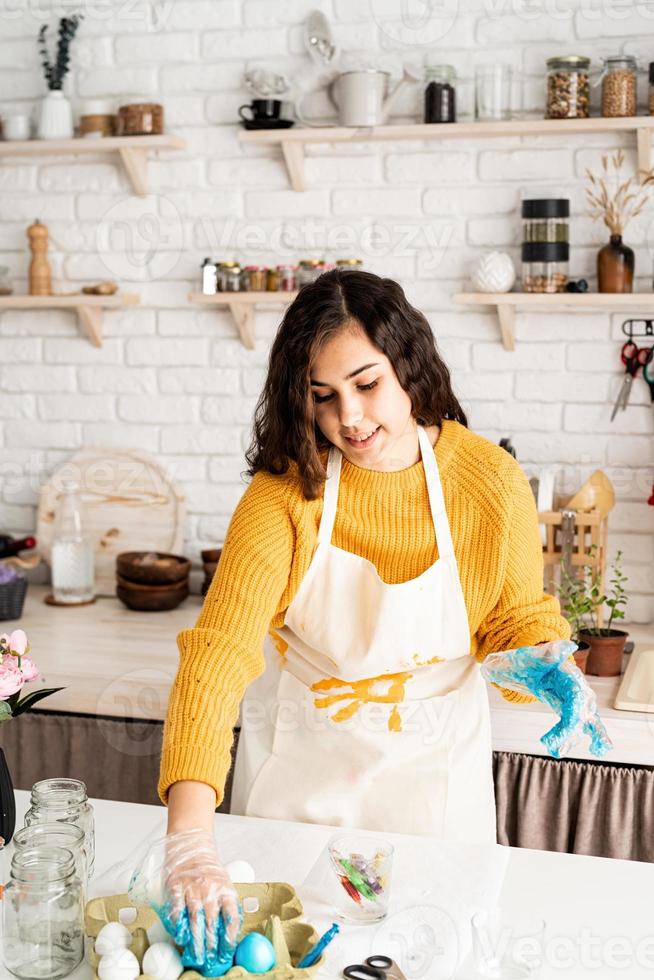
column 211, row 556
column 152, row 567
column 151, row 598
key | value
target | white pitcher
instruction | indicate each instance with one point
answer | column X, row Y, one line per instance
column 362, row 98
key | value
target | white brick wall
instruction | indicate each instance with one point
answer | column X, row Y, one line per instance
column 173, row 379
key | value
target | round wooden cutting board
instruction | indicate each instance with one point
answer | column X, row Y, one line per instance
column 130, row 504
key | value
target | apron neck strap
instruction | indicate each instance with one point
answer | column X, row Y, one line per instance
column 434, row 490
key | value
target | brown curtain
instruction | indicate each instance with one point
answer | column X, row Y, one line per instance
column 576, row 807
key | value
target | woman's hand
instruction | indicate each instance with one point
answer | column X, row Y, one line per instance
column 198, row 893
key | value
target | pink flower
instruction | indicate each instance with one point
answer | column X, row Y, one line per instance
column 14, row 643
column 18, row 643
column 11, row 680
column 29, row 669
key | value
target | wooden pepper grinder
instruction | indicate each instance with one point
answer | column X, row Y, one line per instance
column 40, row 273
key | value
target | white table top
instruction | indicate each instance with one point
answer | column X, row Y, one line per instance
column 121, row 664
column 597, row 911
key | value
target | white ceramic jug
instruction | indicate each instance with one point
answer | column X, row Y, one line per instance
column 55, row 117
column 362, row 98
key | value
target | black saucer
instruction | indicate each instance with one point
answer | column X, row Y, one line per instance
column 267, row 123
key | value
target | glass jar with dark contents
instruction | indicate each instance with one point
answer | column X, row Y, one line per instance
column 440, row 94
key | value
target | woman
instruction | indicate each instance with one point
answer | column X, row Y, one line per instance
column 388, row 550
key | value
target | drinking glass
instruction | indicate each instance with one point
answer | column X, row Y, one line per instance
column 362, row 866
column 507, row 945
column 496, row 94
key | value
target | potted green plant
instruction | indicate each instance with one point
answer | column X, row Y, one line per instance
column 581, row 600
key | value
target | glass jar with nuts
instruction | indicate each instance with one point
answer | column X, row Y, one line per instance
column 568, row 87
column 545, row 267
column 619, row 79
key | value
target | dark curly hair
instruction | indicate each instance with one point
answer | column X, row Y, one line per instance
column 284, row 421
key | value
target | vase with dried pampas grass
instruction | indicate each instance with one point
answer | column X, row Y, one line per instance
column 616, row 202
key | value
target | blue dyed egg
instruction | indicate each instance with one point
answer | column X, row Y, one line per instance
column 255, row 953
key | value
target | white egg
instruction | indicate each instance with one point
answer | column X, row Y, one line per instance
column 119, row 964
column 162, row 962
column 157, row 934
column 241, row 872
column 112, row 936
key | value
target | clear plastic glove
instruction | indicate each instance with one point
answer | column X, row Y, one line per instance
column 547, row 673
column 182, row 878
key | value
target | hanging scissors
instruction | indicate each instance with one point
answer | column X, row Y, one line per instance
column 648, row 375
column 633, row 358
column 374, row 968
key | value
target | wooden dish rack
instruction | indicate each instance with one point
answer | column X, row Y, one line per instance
column 588, row 547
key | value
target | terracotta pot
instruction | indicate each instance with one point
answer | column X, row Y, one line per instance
column 615, row 267
column 581, row 655
column 606, row 651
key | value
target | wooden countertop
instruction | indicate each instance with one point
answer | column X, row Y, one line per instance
column 121, row 664
column 111, row 660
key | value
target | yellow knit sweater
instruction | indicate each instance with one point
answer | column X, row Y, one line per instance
column 385, row 517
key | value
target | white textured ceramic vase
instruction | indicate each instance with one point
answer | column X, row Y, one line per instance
column 55, row 117
column 494, row 273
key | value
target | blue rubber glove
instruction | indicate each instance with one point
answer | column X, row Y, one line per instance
column 547, row 673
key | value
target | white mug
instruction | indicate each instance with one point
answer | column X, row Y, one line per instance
column 16, row 127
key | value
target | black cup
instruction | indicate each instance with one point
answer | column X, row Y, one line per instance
column 261, row 109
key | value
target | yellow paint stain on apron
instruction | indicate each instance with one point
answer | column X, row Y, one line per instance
column 281, row 646
column 358, row 693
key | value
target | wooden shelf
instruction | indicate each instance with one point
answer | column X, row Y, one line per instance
column 507, row 303
column 133, row 151
column 242, row 307
column 88, row 308
column 293, row 141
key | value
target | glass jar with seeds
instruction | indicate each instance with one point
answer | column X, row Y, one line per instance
column 568, row 87
column 619, row 83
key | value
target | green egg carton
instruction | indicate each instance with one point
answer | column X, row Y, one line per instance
column 277, row 917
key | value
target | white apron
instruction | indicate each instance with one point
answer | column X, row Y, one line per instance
column 371, row 713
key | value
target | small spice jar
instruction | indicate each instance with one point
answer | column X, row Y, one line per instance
column 64, row 801
column 6, row 284
column 349, row 264
column 287, row 278
column 440, row 94
column 309, row 270
column 272, row 279
column 568, row 87
column 43, row 914
column 229, row 277
column 545, row 219
column 255, row 278
column 619, row 84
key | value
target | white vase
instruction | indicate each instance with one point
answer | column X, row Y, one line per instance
column 55, row 117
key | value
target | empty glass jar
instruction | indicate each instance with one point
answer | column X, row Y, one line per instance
column 43, row 914
column 67, row 835
column 64, row 801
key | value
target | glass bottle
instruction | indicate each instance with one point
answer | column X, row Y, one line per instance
column 615, row 267
column 64, row 801
column 66, row 835
column 440, row 94
column 43, row 914
column 72, row 550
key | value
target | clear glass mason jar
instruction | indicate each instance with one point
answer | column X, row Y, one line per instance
column 43, row 914
column 64, row 801
column 309, row 271
column 568, row 87
column 619, row 86
column 68, row 835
